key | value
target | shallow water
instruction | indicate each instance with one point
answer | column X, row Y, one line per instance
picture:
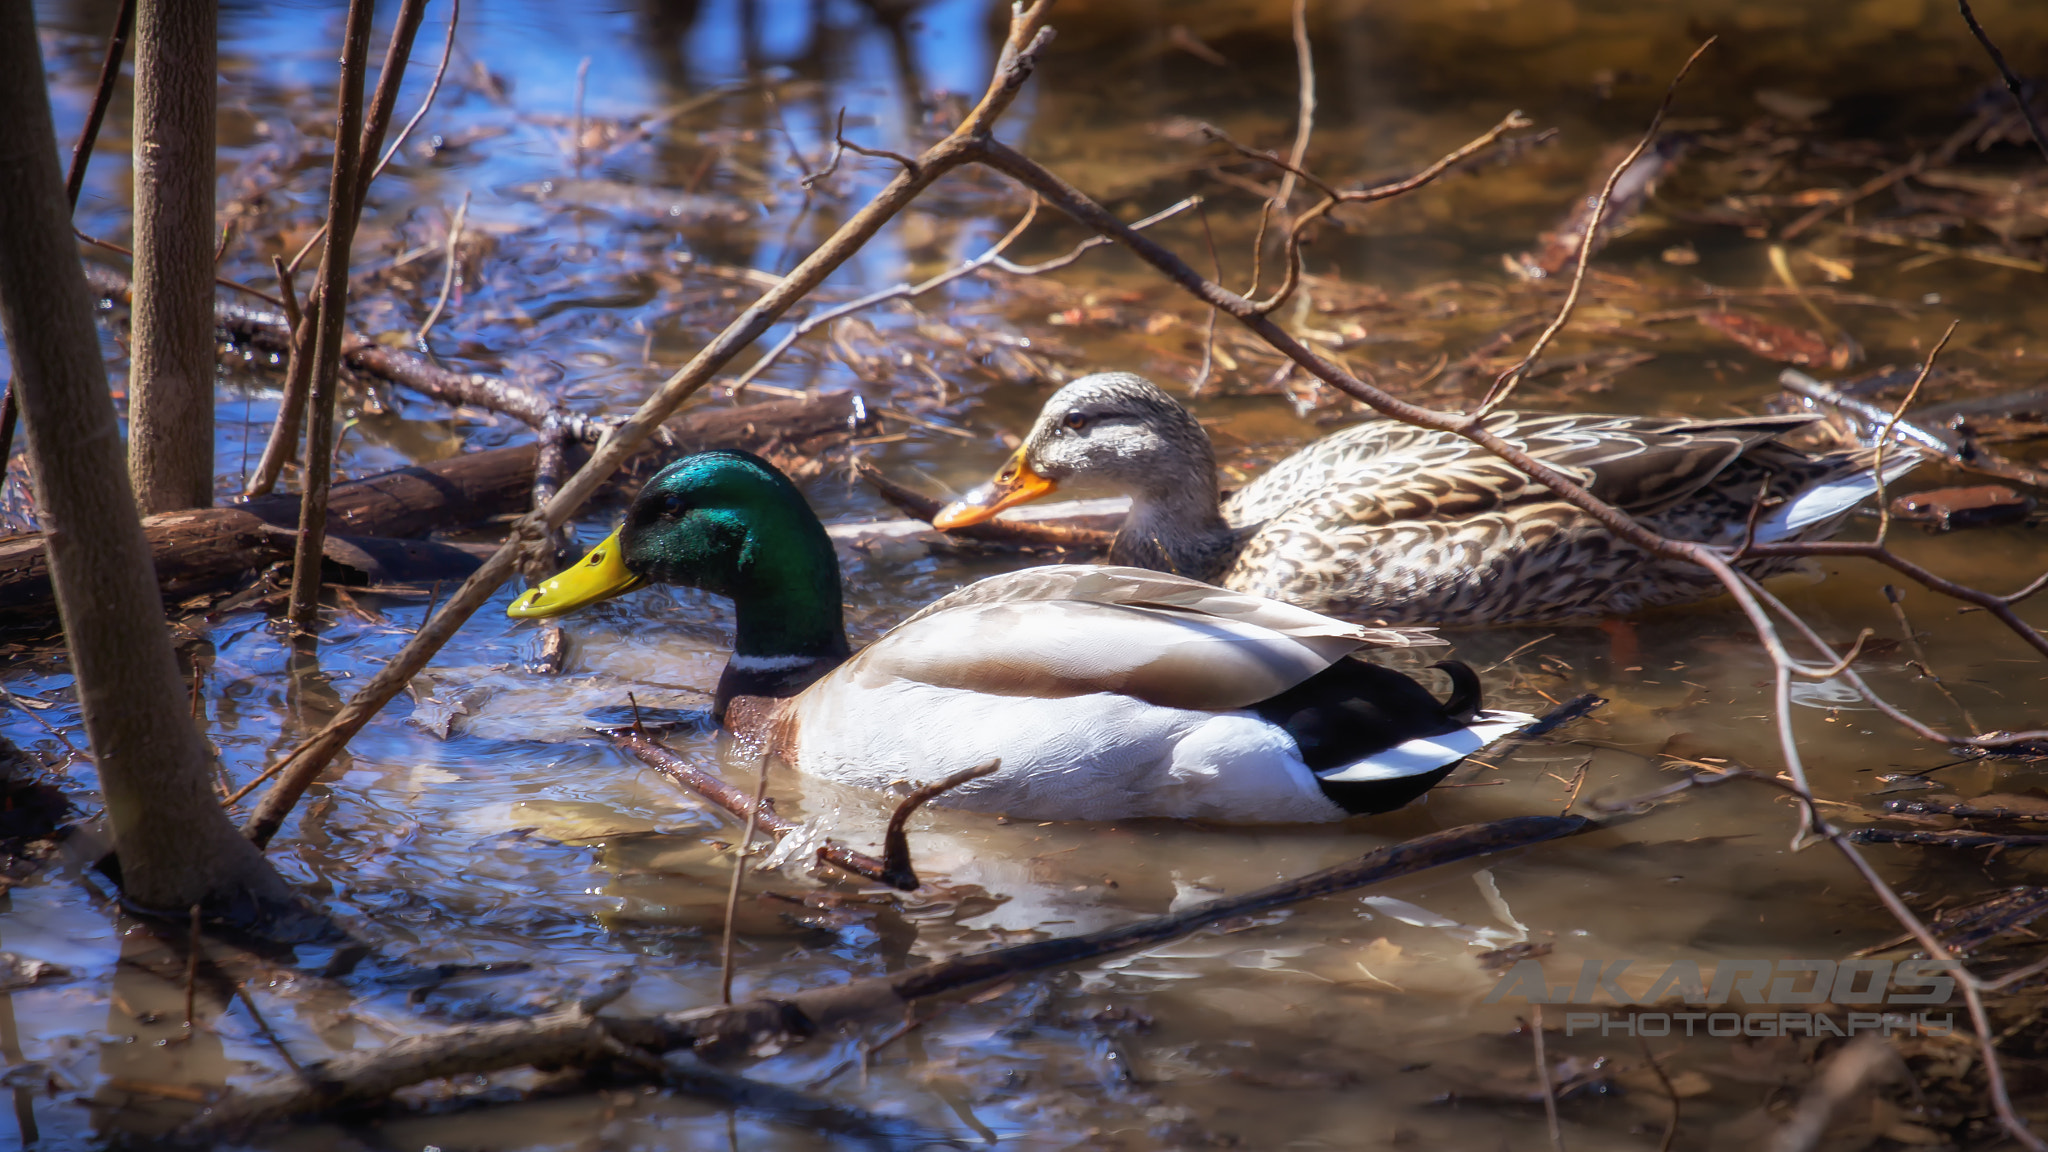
column 1353, row 1021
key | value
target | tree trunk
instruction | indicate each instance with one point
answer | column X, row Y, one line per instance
column 176, row 845
column 171, row 365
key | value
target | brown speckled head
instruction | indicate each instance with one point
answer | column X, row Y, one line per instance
column 1121, row 430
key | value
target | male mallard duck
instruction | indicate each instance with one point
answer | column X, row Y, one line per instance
column 1390, row 522
column 1105, row 692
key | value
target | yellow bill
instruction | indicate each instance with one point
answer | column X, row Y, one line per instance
column 1015, row 484
column 598, row 576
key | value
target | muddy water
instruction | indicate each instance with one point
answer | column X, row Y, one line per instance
column 531, row 861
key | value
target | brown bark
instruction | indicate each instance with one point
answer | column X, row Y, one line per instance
column 175, row 844
column 171, row 366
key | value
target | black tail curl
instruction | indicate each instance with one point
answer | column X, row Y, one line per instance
column 1465, row 701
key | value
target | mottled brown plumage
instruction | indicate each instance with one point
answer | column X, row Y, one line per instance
column 1387, row 521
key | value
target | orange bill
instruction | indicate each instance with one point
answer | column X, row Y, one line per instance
column 1015, row 484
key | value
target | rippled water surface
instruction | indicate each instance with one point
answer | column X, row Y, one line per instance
column 533, row 860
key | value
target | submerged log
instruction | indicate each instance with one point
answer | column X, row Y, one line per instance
column 206, row 549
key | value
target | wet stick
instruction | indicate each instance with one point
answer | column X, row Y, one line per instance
column 739, row 873
column 896, row 867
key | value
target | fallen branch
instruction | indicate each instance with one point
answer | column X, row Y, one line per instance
column 1949, row 446
column 1965, row 810
column 577, row 1036
column 1957, row 839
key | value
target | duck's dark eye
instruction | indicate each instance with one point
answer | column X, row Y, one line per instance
column 673, row 506
column 1075, row 421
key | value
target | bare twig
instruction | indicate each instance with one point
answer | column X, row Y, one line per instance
column 1506, row 381
column 263, row 1026
column 2012, row 82
column 237, row 285
column 427, row 101
column 992, row 258
column 1845, row 1074
column 803, row 163
column 342, row 207
column 576, row 141
column 448, row 277
column 739, row 872
column 1491, row 136
column 409, row 16
column 1305, row 115
column 1884, row 439
column 1897, row 600
column 1868, row 188
column 1670, row 1093
column 283, row 444
column 1543, row 1080
column 896, row 865
column 193, row 943
column 288, row 293
column 1209, row 333
column 102, row 96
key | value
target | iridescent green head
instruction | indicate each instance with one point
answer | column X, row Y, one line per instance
column 730, row 523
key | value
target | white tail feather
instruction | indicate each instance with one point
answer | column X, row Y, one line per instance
column 1429, row 753
column 1827, row 501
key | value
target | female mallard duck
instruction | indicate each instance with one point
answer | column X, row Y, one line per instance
column 1105, row 692
column 1389, row 522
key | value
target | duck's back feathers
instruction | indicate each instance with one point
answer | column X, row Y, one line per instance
column 1110, row 693
column 1145, row 589
column 1402, row 524
column 1072, row 630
